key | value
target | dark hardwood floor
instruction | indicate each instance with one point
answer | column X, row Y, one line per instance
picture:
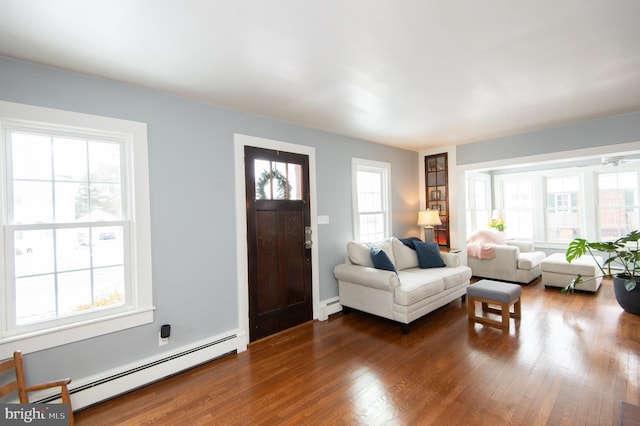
column 570, row 360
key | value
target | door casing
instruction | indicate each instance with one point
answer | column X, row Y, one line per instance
column 240, row 141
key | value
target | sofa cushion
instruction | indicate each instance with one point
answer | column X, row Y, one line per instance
column 387, row 247
column 381, row 260
column 405, row 257
column 530, row 260
column 360, row 254
column 452, row 276
column 429, row 255
column 415, row 285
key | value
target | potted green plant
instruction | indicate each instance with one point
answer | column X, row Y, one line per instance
column 624, row 257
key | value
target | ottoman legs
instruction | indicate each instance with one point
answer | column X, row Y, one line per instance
column 504, row 311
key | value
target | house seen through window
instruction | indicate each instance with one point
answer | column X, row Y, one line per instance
column 618, row 204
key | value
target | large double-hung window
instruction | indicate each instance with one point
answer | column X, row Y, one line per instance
column 371, row 200
column 75, row 226
column 618, row 204
column 517, row 206
column 556, row 206
column 564, row 211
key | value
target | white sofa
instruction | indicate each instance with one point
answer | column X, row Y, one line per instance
column 402, row 296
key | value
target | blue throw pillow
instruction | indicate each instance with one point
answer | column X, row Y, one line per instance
column 410, row 242
column 429, row 255
column 381, row 260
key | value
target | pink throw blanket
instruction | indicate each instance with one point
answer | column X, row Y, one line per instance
column 481, row 244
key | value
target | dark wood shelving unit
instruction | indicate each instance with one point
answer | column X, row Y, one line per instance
column 437, row 196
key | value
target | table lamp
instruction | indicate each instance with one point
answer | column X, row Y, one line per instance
column 428, row 218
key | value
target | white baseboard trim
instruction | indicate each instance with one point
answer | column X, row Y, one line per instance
column 108, row 384
column 329, row 307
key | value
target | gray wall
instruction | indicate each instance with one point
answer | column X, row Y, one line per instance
column 613, row 130
column 192, row 214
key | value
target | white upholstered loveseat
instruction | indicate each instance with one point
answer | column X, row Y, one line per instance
column 404, row 295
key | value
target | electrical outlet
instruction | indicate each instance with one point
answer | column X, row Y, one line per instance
column 162, row 340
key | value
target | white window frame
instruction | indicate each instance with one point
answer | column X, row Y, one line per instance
column 136, row 183
column 589, row 190
column 471, row 179
column 359, row 164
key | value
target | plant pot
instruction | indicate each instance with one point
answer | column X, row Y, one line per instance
column 628, row 300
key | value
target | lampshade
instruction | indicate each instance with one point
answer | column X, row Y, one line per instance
column 429, row 218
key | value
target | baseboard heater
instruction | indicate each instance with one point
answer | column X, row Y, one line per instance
column 89, row 391
column 329, row 307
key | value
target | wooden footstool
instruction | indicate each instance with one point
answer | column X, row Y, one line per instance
column 494, row 293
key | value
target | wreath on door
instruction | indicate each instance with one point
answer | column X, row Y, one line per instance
column 282, row 185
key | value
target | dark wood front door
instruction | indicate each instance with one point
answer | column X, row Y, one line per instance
column 278, row 228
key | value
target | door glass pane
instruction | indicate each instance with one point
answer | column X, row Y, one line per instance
column 294, row 174
column 262, row 172
column 277, row 180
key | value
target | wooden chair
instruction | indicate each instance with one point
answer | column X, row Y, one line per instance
column 20, row 385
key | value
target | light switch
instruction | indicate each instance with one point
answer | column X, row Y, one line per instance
column 323, row 220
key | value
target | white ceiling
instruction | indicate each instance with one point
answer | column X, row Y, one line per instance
column 408, row 73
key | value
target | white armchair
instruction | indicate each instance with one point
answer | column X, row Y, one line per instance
column 514, row 261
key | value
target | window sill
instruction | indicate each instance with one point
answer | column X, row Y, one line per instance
column 62, row 335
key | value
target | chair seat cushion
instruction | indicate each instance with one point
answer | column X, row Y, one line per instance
column 557, row 262
column 495, row 291
column 529, row 260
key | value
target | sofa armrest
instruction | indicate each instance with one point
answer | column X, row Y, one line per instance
column 523, row 245
column 366, row 276
column 452, row 260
